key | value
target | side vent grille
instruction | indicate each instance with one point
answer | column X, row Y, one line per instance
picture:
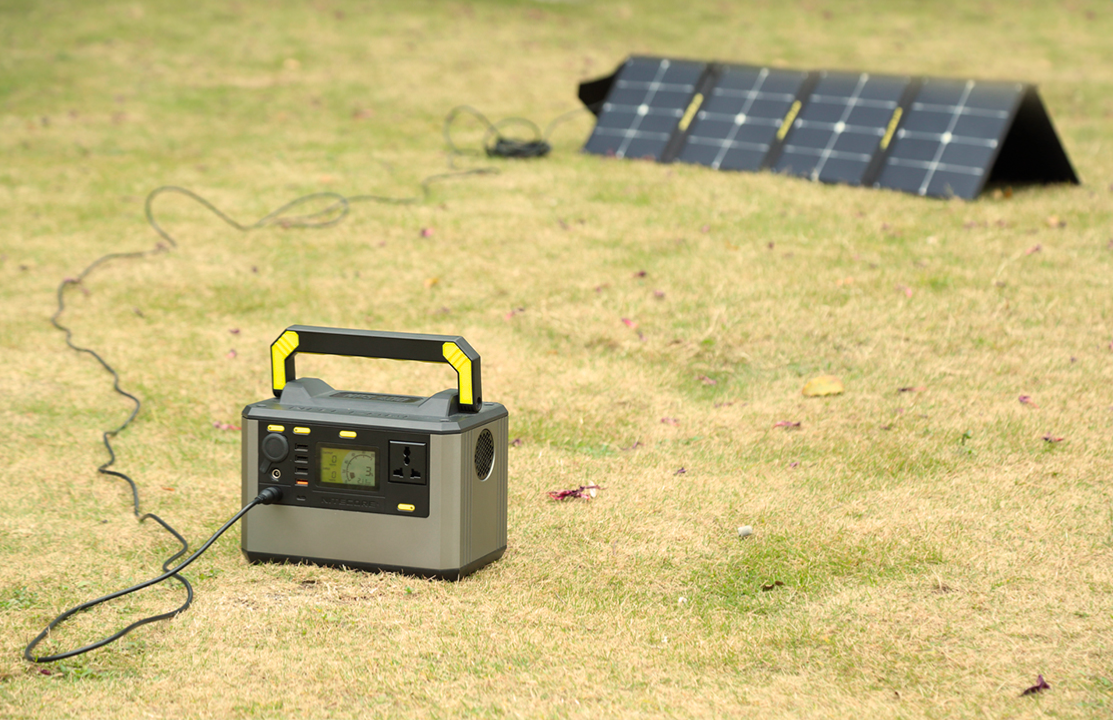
column 484, row 454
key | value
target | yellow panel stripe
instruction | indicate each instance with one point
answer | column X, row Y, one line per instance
column 458, row 360
column 690, row 113
column 786, row 124
column 889, row 131
column 281, row 350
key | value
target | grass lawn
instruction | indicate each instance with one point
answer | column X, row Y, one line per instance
column 931, row 542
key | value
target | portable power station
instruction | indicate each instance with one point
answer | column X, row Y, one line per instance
column 375, row 481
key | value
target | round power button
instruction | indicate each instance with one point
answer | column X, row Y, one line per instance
column 275, row 447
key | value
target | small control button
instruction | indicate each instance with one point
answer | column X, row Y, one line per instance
column 276, row 428
column 275, row 447
column 301, row 431
column 405, row 507
column 347, row 434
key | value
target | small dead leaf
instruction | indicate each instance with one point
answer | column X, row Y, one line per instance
column 515, row 311
column 231, row 355
column 659, row 294
column 629, row 323
column 680, row 471
column 640, row 274
column 823, row 385
column 584, row 491
column 1039, row 687
column 1027, row 400
column 225, row 426
column 904, row 289
column 844, row 281
column 430, row 282
column 769, row 586
column 790, row 425
column 918, row 388
column 234, row 331
column 1034, row 249
column 426, row 232
column 1055, row 221
column 708, row 381
column 516, row 442
column 1052, row 439
column 670, row 421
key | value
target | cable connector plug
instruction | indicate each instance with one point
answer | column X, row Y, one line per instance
column 269, row 495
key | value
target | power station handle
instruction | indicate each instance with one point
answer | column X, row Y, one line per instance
column 451, row 349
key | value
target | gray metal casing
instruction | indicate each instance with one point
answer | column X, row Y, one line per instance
column 466, row 524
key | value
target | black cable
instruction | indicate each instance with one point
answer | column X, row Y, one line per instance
column 266, row 497
column 328, row 216
column 496, row 144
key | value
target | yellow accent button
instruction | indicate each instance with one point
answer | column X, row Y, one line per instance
column 347, row 434
column 301, row 431
column 406, row 507
column 276, row 428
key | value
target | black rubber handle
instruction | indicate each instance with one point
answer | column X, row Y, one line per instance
column 451, row 349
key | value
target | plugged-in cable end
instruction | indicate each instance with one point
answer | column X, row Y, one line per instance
column 269, row 495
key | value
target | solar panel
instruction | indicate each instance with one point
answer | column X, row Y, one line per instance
column 837, row 132
column 643, row 108
column 737, row 125
column 949, row 137
column 929, row 136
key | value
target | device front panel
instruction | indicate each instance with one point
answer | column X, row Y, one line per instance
column 346, row 468
column 338, row 534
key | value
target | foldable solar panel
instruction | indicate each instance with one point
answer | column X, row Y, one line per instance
column 928, row 136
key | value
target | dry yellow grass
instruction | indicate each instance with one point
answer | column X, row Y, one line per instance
column 935, row 552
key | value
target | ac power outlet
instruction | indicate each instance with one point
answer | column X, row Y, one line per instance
column 409, row 462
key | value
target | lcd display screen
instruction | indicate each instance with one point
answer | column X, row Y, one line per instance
column 351, row 466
